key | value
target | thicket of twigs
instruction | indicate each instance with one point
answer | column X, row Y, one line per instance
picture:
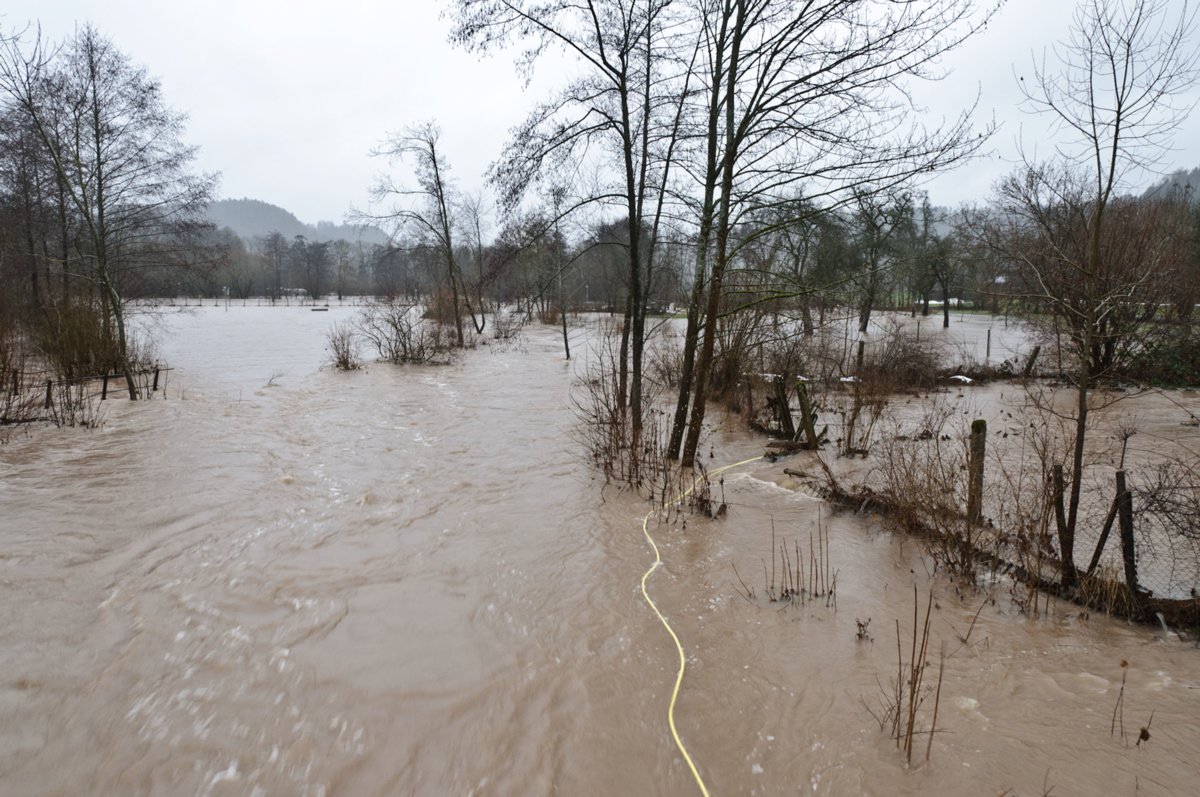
column 398, row 331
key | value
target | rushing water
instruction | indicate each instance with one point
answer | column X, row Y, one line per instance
column 286, row 580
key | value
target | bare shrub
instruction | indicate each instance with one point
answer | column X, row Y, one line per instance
column 786, row 359
column 867, row 395
column 76, row 404
column 911, row 362
column 397, row 331
column 74, row 343
column 923, row 475
column 548, row 314
column 1170, row 496
column 789, row 356
column 440, row 307
column 18, row 402
column 803, row 579
column 901, row 704
column 341, row 342
column 143, row 358
column 827, row 351
column 29, row 392
column 507, row 326
column 1167, row 501
column 664, row 357
column 1021, row 489
column 605, row 426
column 894, row 363
column 740, row 338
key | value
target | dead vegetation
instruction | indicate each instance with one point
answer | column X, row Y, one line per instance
column 624, row 449
column 342, row 345
column 901, row 708
column 921, row 475
column 49, row 384
column 796, row 577
column 400, row 334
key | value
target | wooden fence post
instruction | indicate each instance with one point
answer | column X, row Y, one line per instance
column 1033, row 355
column 104, row 389
column 156, row 369
column 807, row 417
column 975, row 472
column 1108, row 522
column 784, row 412
column 49, row 394
column 1125, row 518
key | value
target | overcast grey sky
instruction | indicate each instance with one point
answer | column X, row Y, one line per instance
column 286, row 99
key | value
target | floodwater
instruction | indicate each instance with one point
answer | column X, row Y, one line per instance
column 281, row 579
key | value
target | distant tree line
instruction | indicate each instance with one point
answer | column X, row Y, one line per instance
column 747, row 162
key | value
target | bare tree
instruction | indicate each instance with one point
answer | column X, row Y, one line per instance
column 428, row 210
column 474, row 211
column 626, row 103
column 114, row 149
column 310, row 259
column 273, row 249
column 1114, row 92
column 882, row 220
column 806, row 95
column 343, row 266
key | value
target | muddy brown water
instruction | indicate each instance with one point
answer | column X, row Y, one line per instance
column 404, row 581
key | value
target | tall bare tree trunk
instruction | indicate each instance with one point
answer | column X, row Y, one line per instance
column 721, row 255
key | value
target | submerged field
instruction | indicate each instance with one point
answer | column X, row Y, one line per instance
column 282, row 579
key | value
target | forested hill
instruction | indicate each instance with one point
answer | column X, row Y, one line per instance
column 253, row 218
column 1181, row 180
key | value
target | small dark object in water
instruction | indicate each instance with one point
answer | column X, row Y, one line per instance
column 862, row 630
column 319, row 309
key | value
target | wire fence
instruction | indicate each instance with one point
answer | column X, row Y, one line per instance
column 1135, row 545
column 31, row 395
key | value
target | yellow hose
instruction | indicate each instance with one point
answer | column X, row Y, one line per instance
column 679, row 647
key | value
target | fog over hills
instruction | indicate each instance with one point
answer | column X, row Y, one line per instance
column 1187, row 182
column 253, row 218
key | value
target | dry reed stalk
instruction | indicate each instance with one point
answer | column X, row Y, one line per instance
column 1120, row 706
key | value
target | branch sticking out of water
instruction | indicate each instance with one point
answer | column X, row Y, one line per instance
column 787, row 581
column 1119, row 708
column 900, row 707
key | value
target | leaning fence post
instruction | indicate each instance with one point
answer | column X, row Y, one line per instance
column 1108, row 522
column 49, row 394
column 1033, row 355
column 1125, row 517
column 155, row 379
column 786, row 426
column 104, row 388
column 807, row 417
column 975, row 471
